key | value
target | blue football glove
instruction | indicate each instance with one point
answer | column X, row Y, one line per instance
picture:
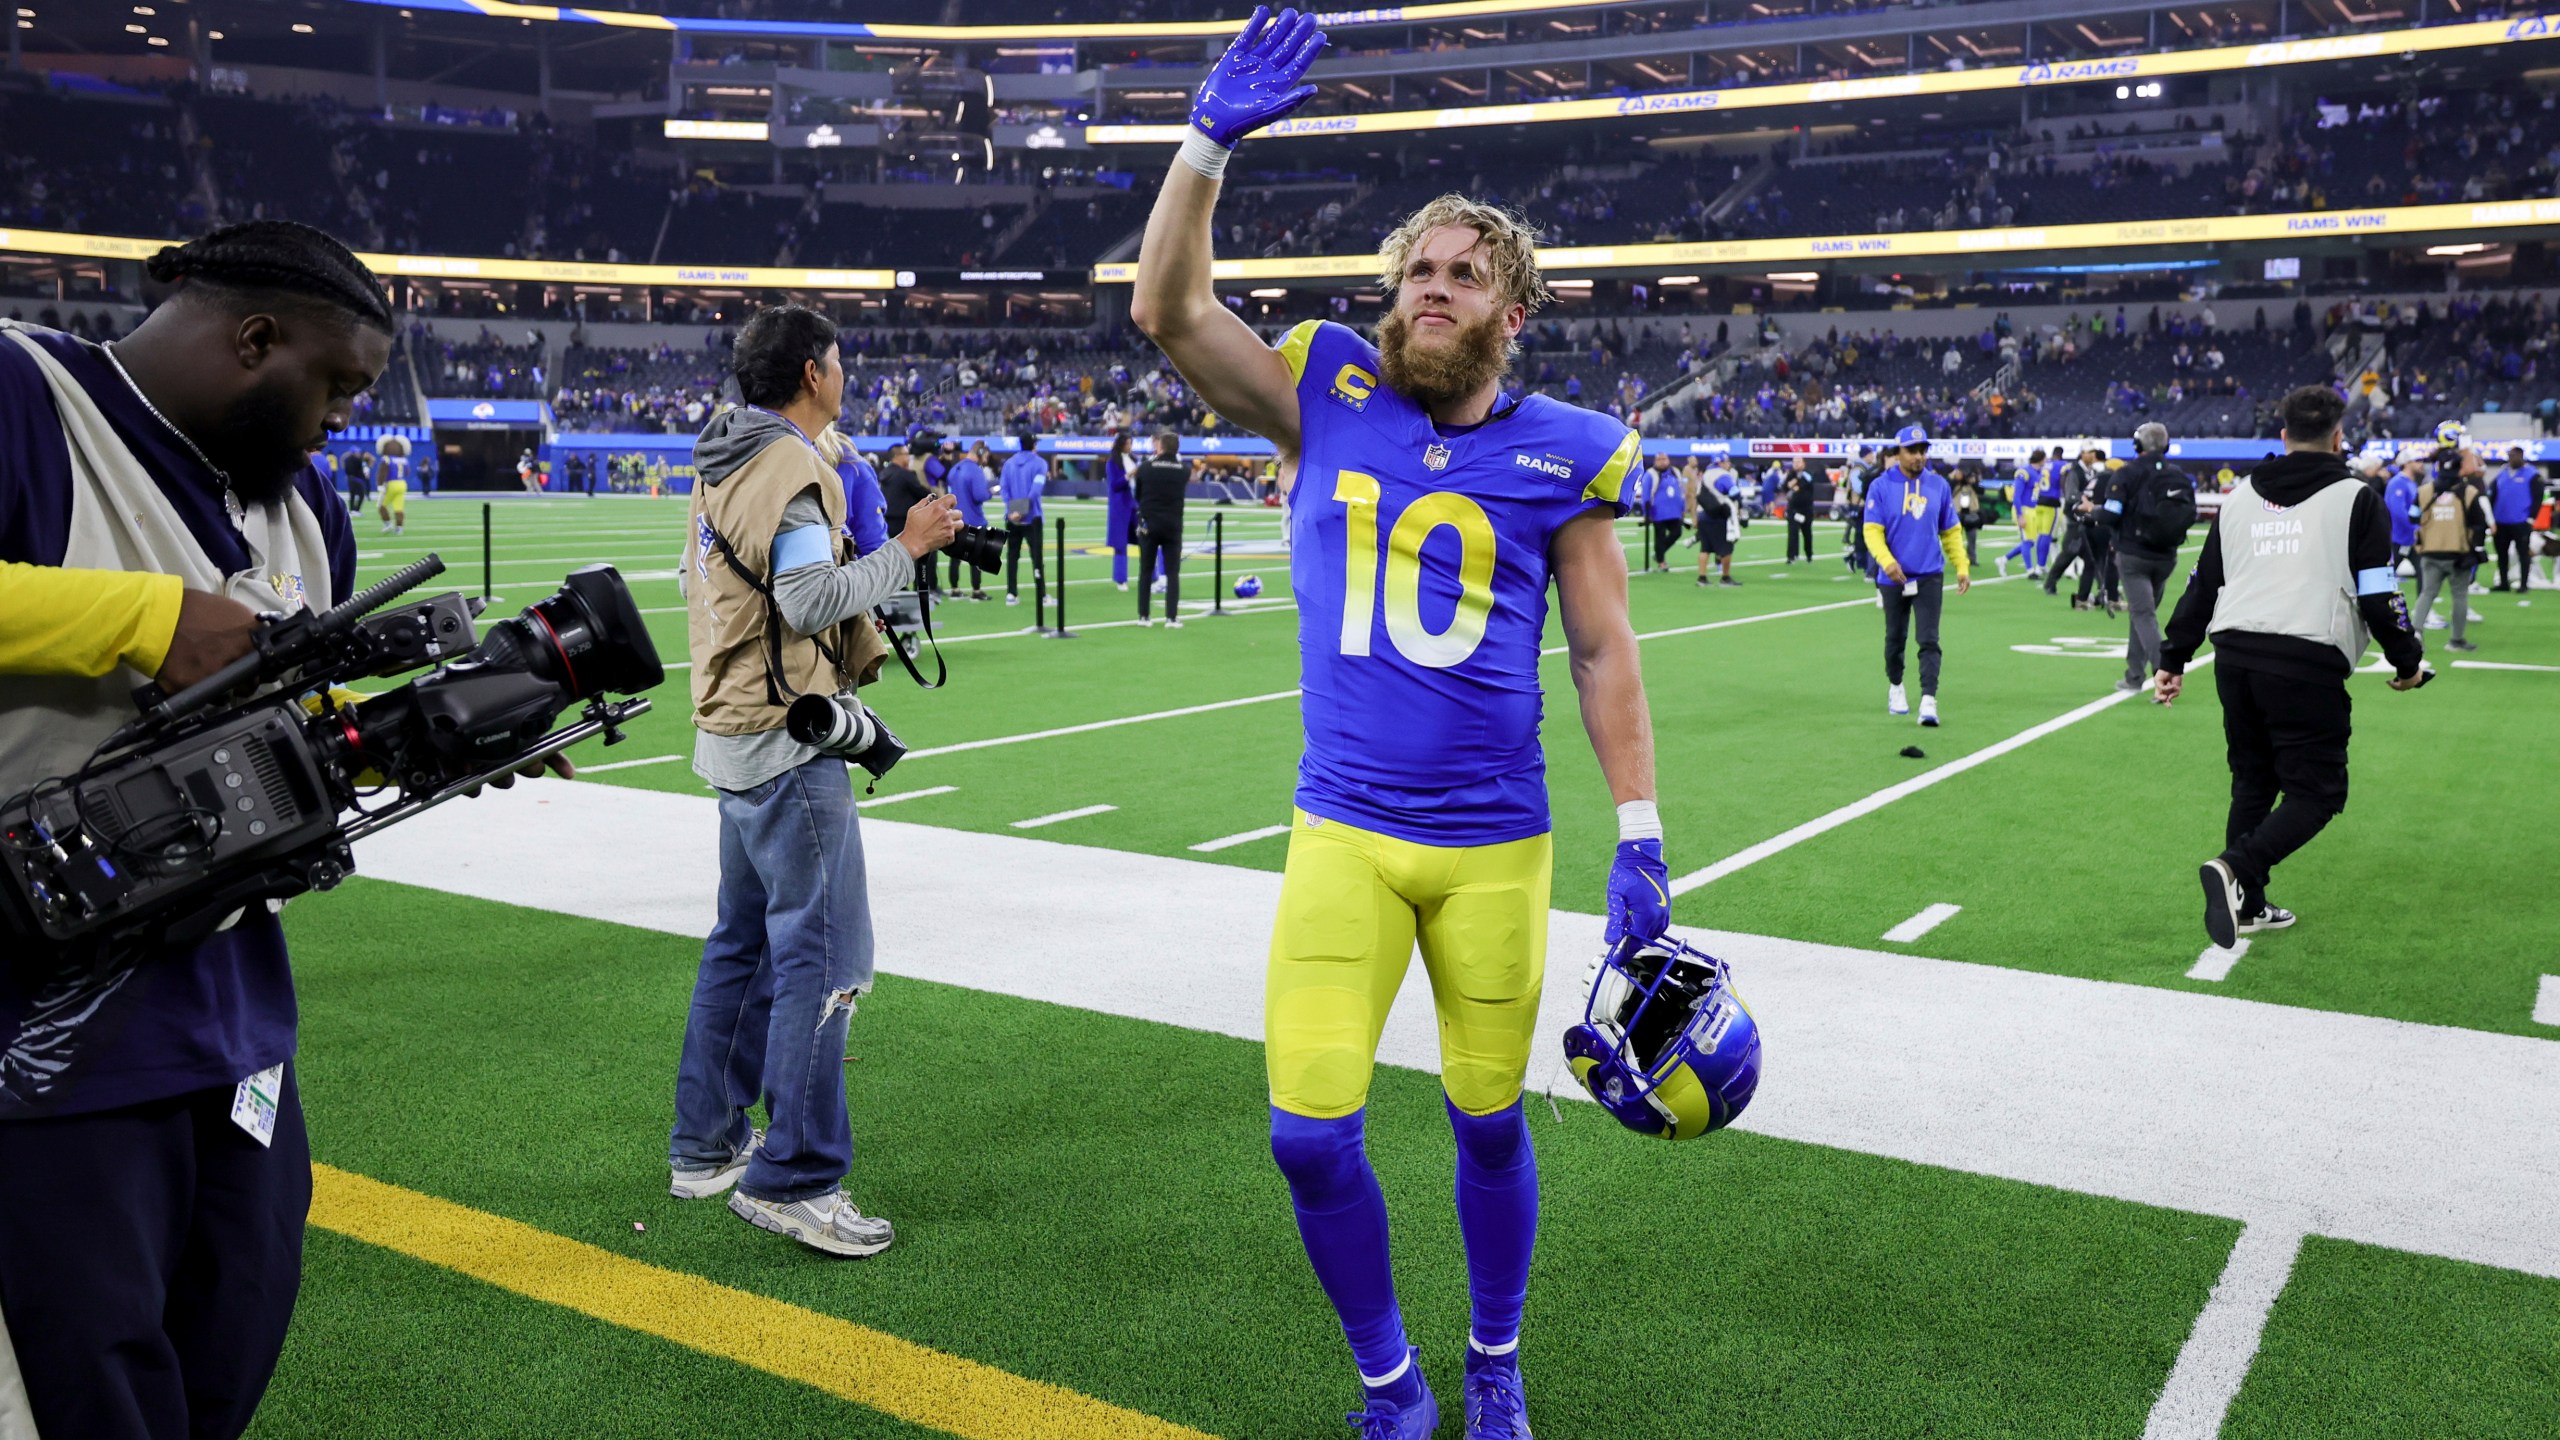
column 1639, row 892
column 1257, row 80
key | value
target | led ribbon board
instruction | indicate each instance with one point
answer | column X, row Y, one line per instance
column 2203, row 230
column 473, row 267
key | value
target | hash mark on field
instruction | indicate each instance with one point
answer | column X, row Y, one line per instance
column 2216, row 1358
column 626, row 764
column 904, row 795
column 2546, row 1005
column 1922, row 923
column 1247, row 837
column 1036, row 821
column 2215, row 963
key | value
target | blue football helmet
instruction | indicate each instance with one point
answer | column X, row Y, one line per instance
column 1665, row 1045
column 1248, row 587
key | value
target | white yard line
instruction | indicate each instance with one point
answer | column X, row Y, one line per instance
column 2215, row 963
column 1922, row 923
column 1868, row 805
column 1100, row 725
column 1037, row 821
column 879, row 800
column 2257, row 1112
column 2546, row 1002
column 627, row 764
column 2504, row 665
column 2215, row 1360
column 1247, row 837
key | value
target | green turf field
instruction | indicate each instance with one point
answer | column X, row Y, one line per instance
column 1109, row 1221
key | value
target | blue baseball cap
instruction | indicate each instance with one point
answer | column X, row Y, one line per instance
column 1908, row 436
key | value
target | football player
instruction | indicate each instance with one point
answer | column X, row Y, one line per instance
column 1428, row 517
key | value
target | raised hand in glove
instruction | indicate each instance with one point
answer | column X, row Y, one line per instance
column 1258, row 80
column 1639, row 892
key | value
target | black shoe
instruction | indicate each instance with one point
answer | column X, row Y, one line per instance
column 2462, row 645
column 2268, row 916
column 2224, row 904
column 1729, row 580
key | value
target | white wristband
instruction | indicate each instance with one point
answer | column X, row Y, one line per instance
column 1204, row 155
column 1639, row 820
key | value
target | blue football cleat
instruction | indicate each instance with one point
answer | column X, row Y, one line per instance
column 1410, row 1419
column 1496, row 1408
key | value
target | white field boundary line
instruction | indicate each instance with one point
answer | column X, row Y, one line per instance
column 880, row 800
column 2546, row 1002
column 2263, row 1113
column 1922, row 923
column 1861, row 808
column 627, row 764
column 2215, row 1361
column 2505, row 665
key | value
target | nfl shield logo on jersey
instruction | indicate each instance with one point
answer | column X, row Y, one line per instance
column 1435, row 456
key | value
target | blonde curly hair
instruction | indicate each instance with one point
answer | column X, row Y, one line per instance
column 1509, row 247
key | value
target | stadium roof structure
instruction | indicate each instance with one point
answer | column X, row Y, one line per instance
column 2123, row 69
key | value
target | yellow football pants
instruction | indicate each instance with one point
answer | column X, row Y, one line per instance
column 1352, row 904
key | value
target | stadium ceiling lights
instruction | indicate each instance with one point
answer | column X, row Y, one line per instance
column 1123, row 30
column 2472, row 248
column 1677, row 280
column 1274, row 294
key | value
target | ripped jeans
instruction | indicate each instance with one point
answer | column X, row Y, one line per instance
column 781, row 970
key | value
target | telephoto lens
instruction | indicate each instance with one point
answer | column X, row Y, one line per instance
column 846, row 729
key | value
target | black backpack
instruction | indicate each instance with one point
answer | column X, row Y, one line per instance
column 2161, row 509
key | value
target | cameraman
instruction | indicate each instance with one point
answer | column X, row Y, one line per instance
column 774, row 610
column 901, row 490
column 151, row 1243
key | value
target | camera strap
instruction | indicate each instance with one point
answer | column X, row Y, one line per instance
column 777, row 691
column 898, row 643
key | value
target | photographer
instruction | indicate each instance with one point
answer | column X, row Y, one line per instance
column 2153, row 503
column 775, row 611
column 151, row 1242
column 1161, row 485
column 901, row 490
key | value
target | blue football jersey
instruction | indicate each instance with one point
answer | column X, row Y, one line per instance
column 1419, row 560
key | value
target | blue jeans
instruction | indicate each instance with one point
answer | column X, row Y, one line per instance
column 780, row 971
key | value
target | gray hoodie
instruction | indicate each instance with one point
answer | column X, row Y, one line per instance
column 812, row 597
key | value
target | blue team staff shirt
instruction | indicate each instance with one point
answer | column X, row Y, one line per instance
column 1663, row 498
column 1913, row 512
column 866, row 512
column 1420, row 562
column 2511, row 495
column 1022, row 479
column 969, row 488
column 225, row 1010
column 2400, row 497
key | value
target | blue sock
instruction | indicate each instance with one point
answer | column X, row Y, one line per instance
column 1498, row 1215
column 1342, row 1217
column 2044, row 551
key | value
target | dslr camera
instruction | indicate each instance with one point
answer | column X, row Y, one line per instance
column 207, row 804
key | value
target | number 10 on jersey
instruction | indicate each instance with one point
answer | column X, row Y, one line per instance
column 1432, row 510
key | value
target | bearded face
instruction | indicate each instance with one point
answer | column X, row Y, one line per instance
column 1441, row 363
column 262, row 443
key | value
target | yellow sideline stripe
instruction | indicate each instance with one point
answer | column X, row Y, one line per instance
column 853, row 1362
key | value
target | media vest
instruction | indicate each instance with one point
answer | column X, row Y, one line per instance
column 2285, row 569
column 747, row 666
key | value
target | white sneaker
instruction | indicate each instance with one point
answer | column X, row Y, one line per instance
column 1013, row 599
column 1929, row 711
column 2003, row 563
column 828, row 1223
column 703, row 1182
column 1158, row 587
column 2223, row 904
column 1173, row 624
column 2272, row 917
column 1120, row 585
column 1895, row 703
column 2435, row 622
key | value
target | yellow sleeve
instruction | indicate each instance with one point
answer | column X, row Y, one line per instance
column 1951, row 540
column 1607, row 486
column 1293, row 348
column 1875, row 543
column 55, row 621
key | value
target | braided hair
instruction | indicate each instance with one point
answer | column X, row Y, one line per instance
column 278, row 256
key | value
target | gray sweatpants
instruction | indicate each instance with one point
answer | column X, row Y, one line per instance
column 2145, row 578
column 2435, row 572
